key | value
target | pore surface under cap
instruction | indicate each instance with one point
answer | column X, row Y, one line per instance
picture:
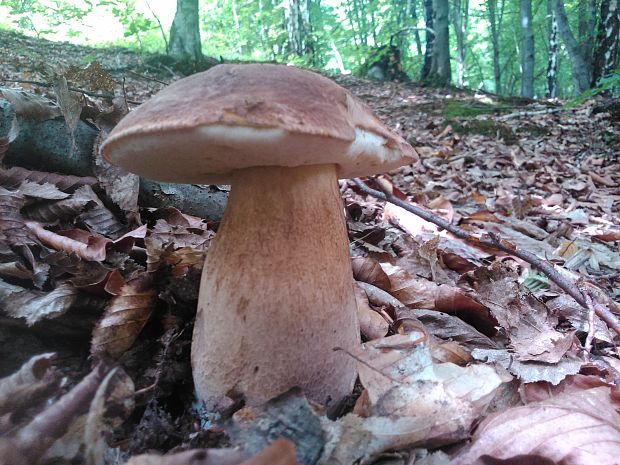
column 203, row 127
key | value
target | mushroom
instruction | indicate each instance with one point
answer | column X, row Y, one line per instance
column 276, row 295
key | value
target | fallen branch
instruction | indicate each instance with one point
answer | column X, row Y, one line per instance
column 495, row 242
column 531, row 113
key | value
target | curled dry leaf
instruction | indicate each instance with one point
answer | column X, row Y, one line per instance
column 112, row 404
column 125, row 315
column 576, row 428
column 84, row 245
column 369, row 270
column 32, row 381
column 421, row 293
column 29, row 105
column 372, row 324
column 31, row 442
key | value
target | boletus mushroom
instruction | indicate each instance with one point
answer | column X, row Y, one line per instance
column 276, row 295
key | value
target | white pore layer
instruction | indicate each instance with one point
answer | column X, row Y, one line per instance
column 208, row 154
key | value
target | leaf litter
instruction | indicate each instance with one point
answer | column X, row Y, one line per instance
column 470, row 355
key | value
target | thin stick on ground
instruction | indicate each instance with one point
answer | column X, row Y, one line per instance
column 495, row 242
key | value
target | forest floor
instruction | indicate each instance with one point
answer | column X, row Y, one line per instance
column 501, row 336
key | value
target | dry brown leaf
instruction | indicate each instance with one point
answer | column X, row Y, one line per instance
column 125, row 315
column 12, row 177
column 369, row 270
column 530, row 371
column 280, row 452
column 112, row 404
column 372, row 324
column 84, row 245
column 32, row 441
column 577, row 428
column 413, row 402
column 192, row 457
column 25, row 387
column 29, row 105
column 527, row 321
column 35, row 306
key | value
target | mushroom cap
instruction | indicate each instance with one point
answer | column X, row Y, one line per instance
column 203, row 127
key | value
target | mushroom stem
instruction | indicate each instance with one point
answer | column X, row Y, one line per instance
column 276, row 294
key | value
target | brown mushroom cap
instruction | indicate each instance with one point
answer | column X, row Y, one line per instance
column 203, row 127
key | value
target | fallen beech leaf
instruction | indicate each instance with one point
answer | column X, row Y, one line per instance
column 369, row 270
column 34, row 379
column 43, row 191
column 530, row 371
column 527, row 321
column 32, row 441
column 29, row 105
column 87, row 247
column 192, row 457
column 12, row 177
column 577, row 428
column 125, row 315
column 280, row 452
column 111, row 406
column 372, row 324
column 35, row 306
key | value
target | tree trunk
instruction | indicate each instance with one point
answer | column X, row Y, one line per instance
column 440, row 74
column 607, row 39
column 580, row 65
column 586, row 10
column 460, row 19
column 413, row 14
column 492, row 9
column 552, row 65
column 297, row 15
column 527, row 50
column 185, row 33
column 430, row 39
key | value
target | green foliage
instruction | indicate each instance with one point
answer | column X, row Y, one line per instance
column 606, row 84
column 344, row 36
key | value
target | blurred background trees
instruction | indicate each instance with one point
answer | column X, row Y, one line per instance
column 529, row 48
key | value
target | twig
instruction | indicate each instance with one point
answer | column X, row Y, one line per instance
column 495, row 242
column 531, row 113
column 74, row 89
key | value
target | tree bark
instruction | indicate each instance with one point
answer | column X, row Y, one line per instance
column 527, row 50
column 440, row 74
column 552, row 61
column 430, row 39
column 607, row 40
column 185, row 32
column 581, row 69
column 460, row 19
column 492, row 9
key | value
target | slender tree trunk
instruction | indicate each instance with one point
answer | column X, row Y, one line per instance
column 297, row 17
column 429, row 16
column 185, row 32
column 413, row 14
column 586, row 27
column 581, row 69
column 460, row 19
column 607, row 40
column 440, row 65
column 552, row 62
column 527, row 50
column 492, row 9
